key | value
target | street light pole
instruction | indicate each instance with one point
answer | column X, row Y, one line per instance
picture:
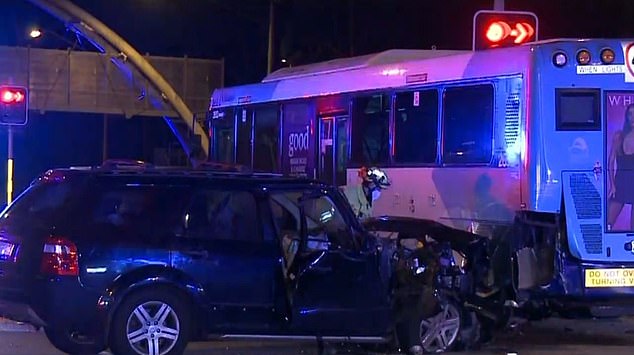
column 498, row 5
column 269, row 68
column 351, row 27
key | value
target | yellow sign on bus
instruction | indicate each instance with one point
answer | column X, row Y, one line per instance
column 610, row 278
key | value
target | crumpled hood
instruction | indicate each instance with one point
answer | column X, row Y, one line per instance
column 409, row 227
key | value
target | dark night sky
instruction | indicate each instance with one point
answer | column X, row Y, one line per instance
column 237, row 30
column 309, row 30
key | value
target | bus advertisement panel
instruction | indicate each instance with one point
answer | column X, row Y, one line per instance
column 620, row 150
column 298, row 142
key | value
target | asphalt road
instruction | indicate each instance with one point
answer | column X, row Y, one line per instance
column 551, row 337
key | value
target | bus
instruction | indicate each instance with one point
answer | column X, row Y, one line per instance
column 535, row 140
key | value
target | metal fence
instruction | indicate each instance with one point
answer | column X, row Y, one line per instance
column 75, row 81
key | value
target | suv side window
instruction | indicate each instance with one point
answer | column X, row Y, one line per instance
column 326, row 226
column 325, row 223
column 286, row 215
column 135, row 211
column 285, row 212
column 221, row 214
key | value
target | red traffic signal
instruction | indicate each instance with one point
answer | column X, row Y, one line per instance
column 494, row 29
column 12, row 95
column 13, row 105
column 500, row 30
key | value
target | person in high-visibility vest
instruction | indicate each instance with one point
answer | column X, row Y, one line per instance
column 362, row 196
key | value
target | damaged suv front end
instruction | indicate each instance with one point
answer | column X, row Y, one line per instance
column 445, row 296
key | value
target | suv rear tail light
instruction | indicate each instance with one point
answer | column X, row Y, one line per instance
column 60, row 257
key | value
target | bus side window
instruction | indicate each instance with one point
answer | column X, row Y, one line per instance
column 370, row 129
column 468, row 124
column 266, row 145
column 416, row 127
column 223, row 135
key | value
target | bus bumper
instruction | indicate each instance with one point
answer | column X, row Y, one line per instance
column 605, row 288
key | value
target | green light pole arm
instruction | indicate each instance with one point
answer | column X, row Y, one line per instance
column 94, row 29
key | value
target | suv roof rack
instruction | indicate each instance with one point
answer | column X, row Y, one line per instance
column 124, row 163
column 222, row 167
column 206, row 168
column 232, row 169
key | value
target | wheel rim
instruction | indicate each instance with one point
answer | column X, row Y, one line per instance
column 152, row 328
column 438, row 333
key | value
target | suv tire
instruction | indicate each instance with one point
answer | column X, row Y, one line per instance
column 431, row 314
column 64, row 341
column 151, row 317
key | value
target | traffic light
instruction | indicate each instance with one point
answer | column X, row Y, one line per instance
column 14, row 105
column 495, row 29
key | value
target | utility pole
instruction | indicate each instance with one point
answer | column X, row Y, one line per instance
column 10, row 167
column 351, row 26
column 498, row 5
column 271, row 35
column 104, row 143
column 14, row 106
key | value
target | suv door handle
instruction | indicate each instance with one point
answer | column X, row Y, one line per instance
column 198, row 254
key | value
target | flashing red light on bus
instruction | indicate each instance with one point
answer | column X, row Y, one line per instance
column 493, row 29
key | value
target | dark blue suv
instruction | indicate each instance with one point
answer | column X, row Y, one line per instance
column 142, row 260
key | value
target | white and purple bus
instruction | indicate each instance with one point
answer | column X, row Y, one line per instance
column 537, row 139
